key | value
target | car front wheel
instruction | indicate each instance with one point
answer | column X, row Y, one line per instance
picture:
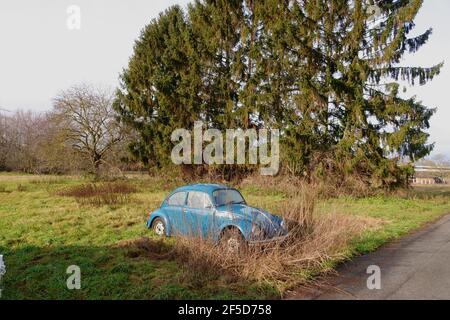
column 159, row 227
column 232, row 241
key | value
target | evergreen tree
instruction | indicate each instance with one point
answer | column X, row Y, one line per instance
column 349, row 110
column 159, row 88
column 216, row 29
column 384, row 126
column 325, row 72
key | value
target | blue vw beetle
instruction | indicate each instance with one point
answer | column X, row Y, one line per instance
column 215, row 212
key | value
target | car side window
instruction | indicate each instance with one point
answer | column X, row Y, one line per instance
column 198, row 200
column 177, row 199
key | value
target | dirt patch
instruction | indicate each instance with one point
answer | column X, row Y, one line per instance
column 146, row 247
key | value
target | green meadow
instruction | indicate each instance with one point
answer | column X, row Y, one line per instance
column 43, row 232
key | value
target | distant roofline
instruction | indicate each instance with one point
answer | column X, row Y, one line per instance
column 431, row 168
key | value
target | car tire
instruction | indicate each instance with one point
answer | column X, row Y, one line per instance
column 159, row 227
column 232, row 241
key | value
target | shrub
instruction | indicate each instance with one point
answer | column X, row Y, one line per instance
column 100, row 194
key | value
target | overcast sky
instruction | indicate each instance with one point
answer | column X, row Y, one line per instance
column 39, row 55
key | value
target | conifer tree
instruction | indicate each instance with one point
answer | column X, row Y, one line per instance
column 159, row 88
column 371, row 127
column 325, row 72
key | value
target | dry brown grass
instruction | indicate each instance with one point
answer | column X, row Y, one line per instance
column 48, row 180
column 100, row 194
column 331, row 186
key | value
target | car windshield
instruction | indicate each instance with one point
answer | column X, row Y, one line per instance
column 227, row 196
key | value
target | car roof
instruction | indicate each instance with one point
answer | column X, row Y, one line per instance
column 203, row 187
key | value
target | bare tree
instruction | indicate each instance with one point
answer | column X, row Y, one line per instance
column 88, row 121
column 3, row 141
column 20, row 133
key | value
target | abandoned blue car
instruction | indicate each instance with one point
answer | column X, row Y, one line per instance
column 215, row 212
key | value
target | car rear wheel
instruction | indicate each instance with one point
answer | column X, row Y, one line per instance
column 233, row 241
column 159, row 227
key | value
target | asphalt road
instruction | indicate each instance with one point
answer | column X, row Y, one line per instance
column 415, row 267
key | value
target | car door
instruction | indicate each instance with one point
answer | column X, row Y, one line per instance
column 199, row 213
column 175, row 208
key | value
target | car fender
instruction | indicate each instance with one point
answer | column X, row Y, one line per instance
column 234, row 224
column 162, row 215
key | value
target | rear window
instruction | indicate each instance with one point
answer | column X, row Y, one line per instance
column 177, row 199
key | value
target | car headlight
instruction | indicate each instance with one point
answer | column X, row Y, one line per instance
column 284, row 226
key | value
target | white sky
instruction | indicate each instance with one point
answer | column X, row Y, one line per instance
column 39, row 55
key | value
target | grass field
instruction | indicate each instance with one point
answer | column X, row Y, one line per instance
column 42, row 233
